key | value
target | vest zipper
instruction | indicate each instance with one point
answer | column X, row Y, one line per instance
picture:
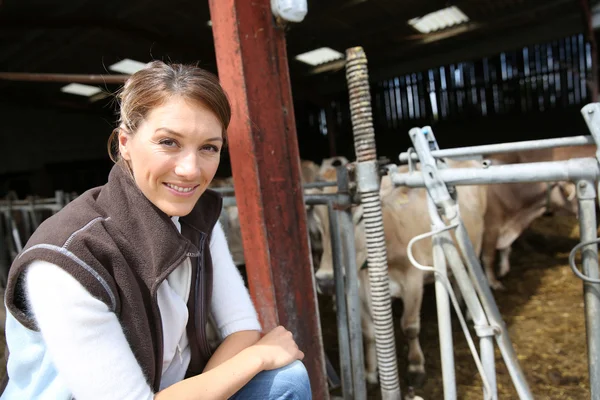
column 202, row 315
column 180, row 355
column 158, row 318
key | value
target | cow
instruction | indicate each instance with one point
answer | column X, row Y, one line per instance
column 230, row 218
column 513, row 207
column 405, row 215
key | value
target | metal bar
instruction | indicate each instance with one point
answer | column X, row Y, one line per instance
column 51, row 207
column 352, row 292
column 591, row 116
column 488, row 359
column 339, row 199
column 493, row 313
column 253, row 69
column 443, row 313
column 230, row 190
column 64, row 78
column 586, row 195
column 341, row 310
column 570, row 170
column 483, row 329
column 503, row 148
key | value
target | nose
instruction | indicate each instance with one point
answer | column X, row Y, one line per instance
column 188, row 166
column 326, row 284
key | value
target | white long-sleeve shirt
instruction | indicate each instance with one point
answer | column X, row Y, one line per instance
column 93, row 356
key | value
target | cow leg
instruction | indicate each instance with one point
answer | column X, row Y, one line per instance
column 488, row 258
column 504, row 261
column 412, row 298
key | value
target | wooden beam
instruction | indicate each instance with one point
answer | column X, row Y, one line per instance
column 253, row 69
column 64, row 78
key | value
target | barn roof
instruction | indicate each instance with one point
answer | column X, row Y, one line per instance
column 82, row 37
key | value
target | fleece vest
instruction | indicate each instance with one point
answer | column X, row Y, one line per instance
column 121, row 247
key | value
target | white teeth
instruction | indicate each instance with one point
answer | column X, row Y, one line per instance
column 180, row 189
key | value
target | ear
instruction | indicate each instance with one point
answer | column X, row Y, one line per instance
column 124, row 142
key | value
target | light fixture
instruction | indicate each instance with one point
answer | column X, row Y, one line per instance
column 439, row 20
column 127, row 66
column 289, row 10
column 80, row 90
column 319, row 56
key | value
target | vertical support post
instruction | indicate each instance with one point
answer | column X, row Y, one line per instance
column 253, row 69
column 586, row 195
column 443, row 307
column 340, row 302
column 353, row 301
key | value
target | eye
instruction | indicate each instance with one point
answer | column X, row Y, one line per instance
column 211, row 148
column 168, row 142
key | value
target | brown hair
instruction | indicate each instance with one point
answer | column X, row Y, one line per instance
column 151, row 86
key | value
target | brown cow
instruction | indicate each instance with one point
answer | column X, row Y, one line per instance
column 513, row 207
column 405, row 215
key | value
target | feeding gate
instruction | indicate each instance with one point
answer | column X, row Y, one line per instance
column 440, row 183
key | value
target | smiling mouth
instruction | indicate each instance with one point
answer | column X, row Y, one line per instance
column 181, row 189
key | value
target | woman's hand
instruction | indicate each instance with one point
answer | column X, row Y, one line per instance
column 277, row 349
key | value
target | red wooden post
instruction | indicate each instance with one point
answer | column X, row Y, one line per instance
column 253, row 69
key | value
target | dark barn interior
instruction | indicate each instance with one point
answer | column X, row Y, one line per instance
column 516, row 70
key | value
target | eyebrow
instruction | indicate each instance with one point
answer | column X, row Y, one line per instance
column 175, row 133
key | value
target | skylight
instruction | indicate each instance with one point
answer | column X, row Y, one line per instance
column 127, row 66
column 81, row 90
column 439, row 20
column 319, row 56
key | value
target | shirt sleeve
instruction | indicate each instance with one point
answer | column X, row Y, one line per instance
column 83, row 337
column 231, row 305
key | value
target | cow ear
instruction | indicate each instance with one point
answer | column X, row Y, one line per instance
column 568, row 190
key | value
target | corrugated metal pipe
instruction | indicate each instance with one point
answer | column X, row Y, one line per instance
column 368, row 186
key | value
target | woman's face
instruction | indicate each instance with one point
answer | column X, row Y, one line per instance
column 174, row 154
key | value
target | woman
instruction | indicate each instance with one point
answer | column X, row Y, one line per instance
column 110, row 297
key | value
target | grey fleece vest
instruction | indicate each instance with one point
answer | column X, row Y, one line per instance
column 121, row 247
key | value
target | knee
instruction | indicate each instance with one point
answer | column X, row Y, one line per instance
column 291, row 382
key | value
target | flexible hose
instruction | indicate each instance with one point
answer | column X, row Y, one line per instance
column 368, row 184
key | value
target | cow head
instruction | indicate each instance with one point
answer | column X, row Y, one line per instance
column 324, row 274
column 328, row 167
column 562, row 199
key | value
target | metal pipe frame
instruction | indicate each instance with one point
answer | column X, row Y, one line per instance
column 584, row 172
column 340, row 301
column 352, row 294
column 586, row 196
column 229, row 190
column 440, row 198
column 571, row 170
column 484, row 331
column 443, row 307
column 475, row 151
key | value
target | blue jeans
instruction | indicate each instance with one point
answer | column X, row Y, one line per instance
column 287, row 383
